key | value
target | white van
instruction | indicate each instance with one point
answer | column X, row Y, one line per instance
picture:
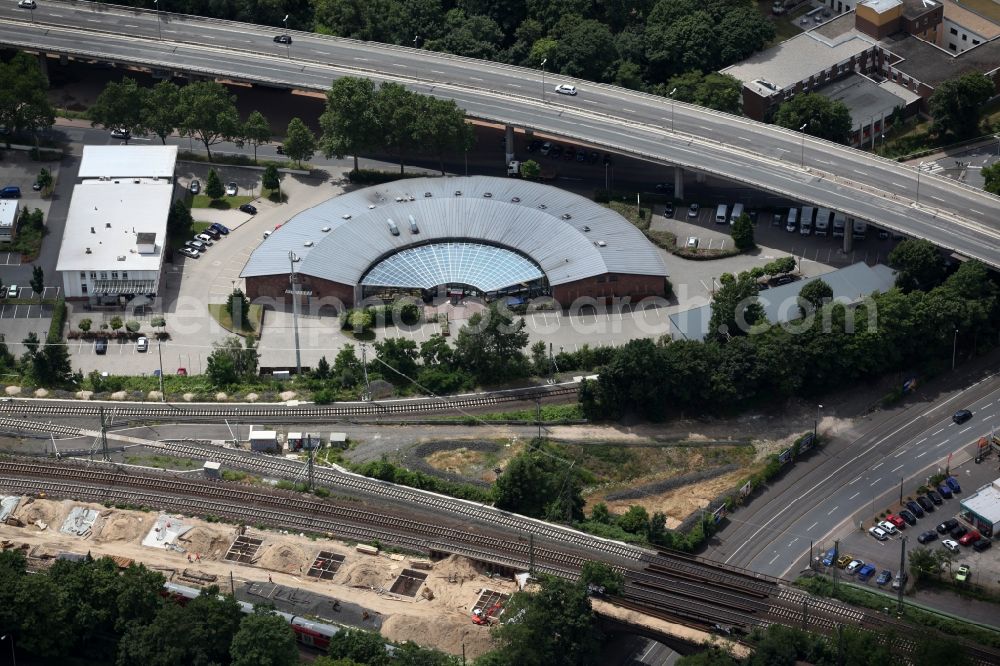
column 720, row 213
column 737, row 211
column 793, row 220
column 806, row 223
column 823, row 221
column 839, row 224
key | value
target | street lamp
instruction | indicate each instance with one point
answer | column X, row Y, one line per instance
column 13, row 657
column 288, row 46
column 672, row 109
column 816, row 424
column 954, row 348
column 159, row 34
column 544, row 60
column 802, row 129
column 920, row 167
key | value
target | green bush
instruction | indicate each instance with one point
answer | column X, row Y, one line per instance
column 58, row 321
column 386, row 471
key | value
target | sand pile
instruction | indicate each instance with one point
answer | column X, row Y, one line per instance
column 287, row 557
column 443, row 635
column 365, row 573
column 210, row 544
column 121, row 526
column 47, row 512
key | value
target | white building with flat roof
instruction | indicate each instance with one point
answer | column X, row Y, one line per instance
column 8, row 218
column 113, row 244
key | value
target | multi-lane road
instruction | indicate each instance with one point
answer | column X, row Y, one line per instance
column 859, row 480
column 773, row 159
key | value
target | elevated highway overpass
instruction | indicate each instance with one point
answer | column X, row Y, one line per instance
column 786, row 163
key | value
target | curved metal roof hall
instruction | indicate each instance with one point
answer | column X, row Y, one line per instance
column 567, row 236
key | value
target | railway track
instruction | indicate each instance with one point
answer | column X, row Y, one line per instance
column 264, row 413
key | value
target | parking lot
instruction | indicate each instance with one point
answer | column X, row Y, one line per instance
column 10, row 259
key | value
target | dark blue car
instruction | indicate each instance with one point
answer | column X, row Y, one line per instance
column 945, row 490
column 953, row 484
column 883, row 577
column 829, row 557
column 865, row 572
column 221, row 228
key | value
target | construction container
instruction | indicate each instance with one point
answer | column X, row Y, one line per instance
column 366, row 549
column 263, row 440
column 212, row 470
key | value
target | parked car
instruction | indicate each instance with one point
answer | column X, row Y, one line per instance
column 961, row 416
column 927, row 537
column 953, row 484
column 934, row 497
column 843, row 561
column 3, row 291
column 197, row 244
column 865, row 572
column 951, row 545
column 828, row 557
column 212, row 233
column 189, row 252
column 915, row 509
column 947, row 526
column 36, row 186
column 693, row 210
column 119, row 133
column 963, row 572
column 970, row 538
column 888, row 527
column 534, row 145
column 546, row 147
column 884, row 577
column 205, row 238
column 232, row 189
column 878, row 533
column 945, row 491
column 854, row 566
column 195, row 186
column 142, row 344
column 13, row 290
column 896, row 520
column 266, row 234
column 899, row 580
column 925, row 504
column 692, row 243
column 10, row 192
column 101, row 346
column 958, row 531
column 221, row 228
column 668, row 209
column 566, row 89
column 908, row 517
column 981, row 545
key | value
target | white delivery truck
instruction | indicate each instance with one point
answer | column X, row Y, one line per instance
column 737, row 211
column 721, row 213
column 823, row 221
column 839, row 221
column 806, row 223
column 859, row 229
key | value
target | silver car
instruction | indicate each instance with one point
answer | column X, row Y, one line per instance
column 195, row 186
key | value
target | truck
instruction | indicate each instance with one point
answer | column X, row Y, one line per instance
column 859, row 228
column 839, row 224
column 823, row 221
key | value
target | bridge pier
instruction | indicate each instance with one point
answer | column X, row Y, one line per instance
column 678, row 182
column 849, row 235
column 509, row 131
column 43, row 63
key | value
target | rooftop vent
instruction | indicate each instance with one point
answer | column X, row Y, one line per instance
column 427, row 195
column 398, row 199
column 601, row 244
column 413, row 226
column 542, row 206
column 88, row 250
column 370, row 206
column 121, row 257
column 516, row 200
column 393, row 229
column 347, row 216
column 325, row 229
column 308, row 243
column 586, row 228
column 458, row 193
column 93, row 231
column 410, row 197
column 296, row 258
column 136, row 181
column 107, row 225
column 488, row 195
column 567, row 216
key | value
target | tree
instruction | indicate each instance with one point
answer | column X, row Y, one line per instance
column 300, row 143
column 396, row 109
column 179, row 219
column 824, row 118
column 814, row 296
column 583, row 52
column 992, row 175
column 349, row 124
column 161, row 111
column 396, row 360
column 264, row 639
column 24, row 103
column 132, row 326
column 743, row 233
column 713, row 655
column 540, row 484
column 635, row 520
column 37, row 280
column 601, row 575
column 208, row 113
column 120, row 106
column 238, row 309
column 957, row 104
column 919, row 264
column 158, row 321
column 256, row 131
column 490, row 345
column 441, row 129
column 362, row 647
column 232, row 361
column 322, row 369
column 44, row 179
column 85, row 324
column 116, row 323
column 551, row 627
column 735, row 308
column 530, row 170
column 271, row 179
column 31, row 344
column 721, row 92
column 213, row 186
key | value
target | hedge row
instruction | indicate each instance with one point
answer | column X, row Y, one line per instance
column 58, row 321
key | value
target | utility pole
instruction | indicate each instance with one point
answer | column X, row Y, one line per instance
column 295, row 309
column 553, row 368
column 364, row 369
column 805, row 612
column 538, row 416
column 836, row 567
column 159, row 352
column 311, row 456
column 902, row 569
column 104, row 437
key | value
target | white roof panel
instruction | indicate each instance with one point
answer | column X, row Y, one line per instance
column 557, row 229
column 128, row 162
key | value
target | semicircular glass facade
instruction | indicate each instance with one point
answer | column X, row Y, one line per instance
column 485, row 267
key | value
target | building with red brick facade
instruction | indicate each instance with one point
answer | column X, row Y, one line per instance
column 482, row 236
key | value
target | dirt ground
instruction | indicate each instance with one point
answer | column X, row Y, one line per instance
column 438, row 616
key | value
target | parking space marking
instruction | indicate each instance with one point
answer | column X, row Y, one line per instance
column 900, row 453
column 988, row 417
column 773, row 558
column 875, row 481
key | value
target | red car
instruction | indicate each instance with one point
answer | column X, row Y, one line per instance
column 896, row 520
column 969, row 538
column 182, row 372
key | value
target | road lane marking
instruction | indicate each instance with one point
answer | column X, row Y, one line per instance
column 976, row 211
column 900, row 453
column 937, row 198
column 924, row 453
column 322, row 52
column 792, row 541
column 961, row 431
column 937, row 432
column 812, row 526
column 773, row 558
column 833, row 509
column 988, row 417
column 922, row 441
column 855, row 480
column 854, row 495
column 875, row 481
column 877, row 466
column 900, row 467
